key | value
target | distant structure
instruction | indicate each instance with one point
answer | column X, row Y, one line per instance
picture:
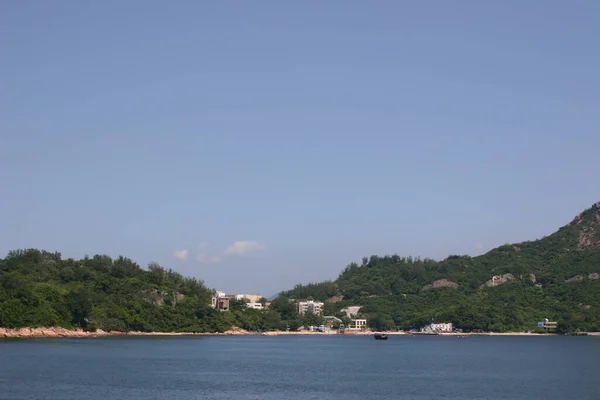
column 358, row 325
column 254, row 305
column 443, row 327
column 547, row 325
column 249, row 298
column 220, row 301
column 351, row 311
column 310, row 306
column 252, row 300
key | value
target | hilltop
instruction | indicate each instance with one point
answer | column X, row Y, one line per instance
column 508, row 288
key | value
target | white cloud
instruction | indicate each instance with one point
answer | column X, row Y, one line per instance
column 244, row 246
column 204, row 258
column 181, row 254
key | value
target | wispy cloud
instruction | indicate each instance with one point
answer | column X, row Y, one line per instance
column 181, row 254
column 242, row 247
column 479, row 246
column 204, row 258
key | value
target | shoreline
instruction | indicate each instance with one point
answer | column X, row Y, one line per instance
column 37, row 333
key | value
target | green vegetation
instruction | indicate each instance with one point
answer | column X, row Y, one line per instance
column 40, row 289
column 555, row 277
column 399, row 292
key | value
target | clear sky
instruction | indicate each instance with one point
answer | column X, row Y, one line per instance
column 257, row 144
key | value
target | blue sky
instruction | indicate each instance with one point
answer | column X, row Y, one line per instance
column 259, row 144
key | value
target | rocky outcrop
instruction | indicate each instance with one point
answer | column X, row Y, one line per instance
column 533, row 278
column 235, row 331
column 576, row 278
column 441, row 283
column 587, row 240
column 158, row 298
column 48, row 332
column 498, row 280
column 78, row 333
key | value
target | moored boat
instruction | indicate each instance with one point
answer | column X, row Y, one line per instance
column 380, row 336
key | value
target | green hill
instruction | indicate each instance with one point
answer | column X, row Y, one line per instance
column 40, row 289
column 506, row 289
column 509, row 288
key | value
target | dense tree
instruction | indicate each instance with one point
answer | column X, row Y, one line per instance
column 38, row 288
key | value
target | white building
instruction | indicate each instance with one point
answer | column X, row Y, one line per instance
column 310, row 306
column 358, row 325
column 252, row 298
column 255, row 305
column 443, row 327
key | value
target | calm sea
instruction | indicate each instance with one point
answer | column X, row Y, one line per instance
column 301, row 368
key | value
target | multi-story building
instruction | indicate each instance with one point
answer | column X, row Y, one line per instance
column 310, row 306
column 220, row 301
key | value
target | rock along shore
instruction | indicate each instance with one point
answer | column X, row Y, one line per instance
column 78, row 333
column 234, row 331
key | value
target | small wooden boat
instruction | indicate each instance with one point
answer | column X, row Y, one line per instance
column 381, row 336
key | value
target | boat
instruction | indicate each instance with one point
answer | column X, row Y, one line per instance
column 381, row 336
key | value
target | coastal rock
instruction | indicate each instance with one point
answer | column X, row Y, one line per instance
column 235, row 331
column 441, row 283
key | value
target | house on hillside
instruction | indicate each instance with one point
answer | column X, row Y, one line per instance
column 310, row 306
column 220, row 301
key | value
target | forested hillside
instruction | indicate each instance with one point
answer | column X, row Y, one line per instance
column 40, row 289
column 508, row 288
